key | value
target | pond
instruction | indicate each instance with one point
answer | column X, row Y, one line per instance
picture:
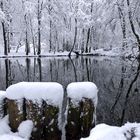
column 117, row 79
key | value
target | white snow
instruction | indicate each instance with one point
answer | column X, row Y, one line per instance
column 106, row 132
column 10, row 137
column 45, row 53
column 114, row 52
column 117, row 52
column 79, row 90
column 4, row 127
column 2, row 94
column 25, row 129
column 51, row 92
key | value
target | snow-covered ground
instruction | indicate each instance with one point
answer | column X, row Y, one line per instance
column 24, row 130
column 114, row 52
column 129, row 131
column 44, row 52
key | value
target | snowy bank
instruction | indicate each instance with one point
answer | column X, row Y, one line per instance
column 117, row 52
column 130, row 131
column 79, row 90
column 44, row 53
column 51, row 92
column 24, row 130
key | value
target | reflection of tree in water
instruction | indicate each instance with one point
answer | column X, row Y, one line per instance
column 74, row 69
column 111, row 79
column 119, row 93
column 9, row 76
column 128, row 93
column 39, row 68
column 28, row 67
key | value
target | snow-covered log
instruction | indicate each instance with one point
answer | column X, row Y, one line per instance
column 37, row 101
column 82, row 101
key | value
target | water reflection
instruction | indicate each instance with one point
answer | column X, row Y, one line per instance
column 118, row 81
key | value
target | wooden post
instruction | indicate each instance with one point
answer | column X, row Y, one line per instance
column 35, row 107
column 34, row 112
column 87, row 116
column 16, row 113
column 73, row 121
column 51, row 128
column 81, row 109
column 80, row 118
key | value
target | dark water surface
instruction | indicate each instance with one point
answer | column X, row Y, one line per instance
column 118, row 81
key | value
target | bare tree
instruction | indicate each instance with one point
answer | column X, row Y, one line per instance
column 132, row 24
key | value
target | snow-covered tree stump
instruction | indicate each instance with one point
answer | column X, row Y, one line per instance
column 2, row 103
column 82, row 101
column 51, row 121
column 34, row 112
column 15, row 111
column 39, row 102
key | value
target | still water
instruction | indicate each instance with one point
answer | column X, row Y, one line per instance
column 118, row 81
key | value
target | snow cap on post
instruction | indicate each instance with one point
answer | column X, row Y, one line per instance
column 50, row 91
column 79, row 90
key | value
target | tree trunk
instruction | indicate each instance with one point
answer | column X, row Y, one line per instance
column 50, row 36
column 4, row 32
column 123, row 25
column 4, row 39
column 132, row 25
column 32, row 36
column 39, row 28
column 87, row 43
column 83, row 41
column 26, row 42
column 75, row 38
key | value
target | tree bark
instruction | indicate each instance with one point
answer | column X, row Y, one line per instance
column 132, row 25
column 50, row 35
column 87, row 43
column 4, row 39
column 4, row 32
column 75, row 38
column 123, row 25
column 32, row 36
column 39, row 28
